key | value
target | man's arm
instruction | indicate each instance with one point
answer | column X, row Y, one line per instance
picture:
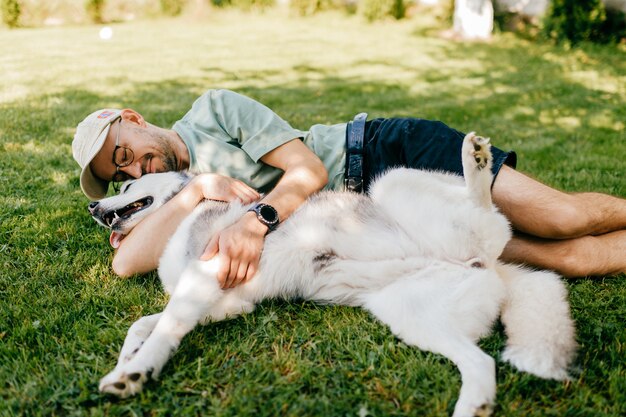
column 240, row 245
column 134, row 256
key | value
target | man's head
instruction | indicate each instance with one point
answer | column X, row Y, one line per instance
column 113, row 145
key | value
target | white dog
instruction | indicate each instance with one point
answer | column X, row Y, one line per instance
column 420, row 253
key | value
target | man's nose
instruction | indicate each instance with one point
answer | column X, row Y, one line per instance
column 92, row 206
column 134, row 169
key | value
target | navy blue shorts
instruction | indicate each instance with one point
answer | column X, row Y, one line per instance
column 420, row 144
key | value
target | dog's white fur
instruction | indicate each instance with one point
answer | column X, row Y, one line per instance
column 420, row 253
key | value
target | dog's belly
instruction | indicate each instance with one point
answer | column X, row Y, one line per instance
column 439, row 216
column 341, row 245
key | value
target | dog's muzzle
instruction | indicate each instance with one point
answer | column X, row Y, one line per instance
column 109, row 218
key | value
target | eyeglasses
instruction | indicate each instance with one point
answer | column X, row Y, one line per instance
column 122, row 157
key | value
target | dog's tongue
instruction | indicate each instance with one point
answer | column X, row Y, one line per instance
column 115, row 239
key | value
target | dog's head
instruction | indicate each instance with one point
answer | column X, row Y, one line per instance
column 137, row 198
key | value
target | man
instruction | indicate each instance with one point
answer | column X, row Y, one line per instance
column 242, row 146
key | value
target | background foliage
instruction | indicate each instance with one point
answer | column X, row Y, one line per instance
column 172, row 7
column 11, row 12
column 309, row 7
column 570, row 21
column 377, row 9
column 576, row 21
column 94, row 10
column 246, row 5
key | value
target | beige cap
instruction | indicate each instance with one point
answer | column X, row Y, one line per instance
column 88, row 140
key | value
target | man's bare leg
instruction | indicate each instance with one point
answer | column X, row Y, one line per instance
column 583, row 256
column 574, row 234
column 539, row 210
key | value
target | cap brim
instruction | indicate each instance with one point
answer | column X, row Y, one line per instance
column 93, row 187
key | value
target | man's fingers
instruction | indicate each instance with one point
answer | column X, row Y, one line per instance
column 230, row 280
column 241, row 274
column 239, row 190
column 222, row 188
column 211, row 249
column 245, row 193
column 223, row 271
column 250, row 273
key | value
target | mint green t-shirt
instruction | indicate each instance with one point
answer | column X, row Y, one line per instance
column 227, row 133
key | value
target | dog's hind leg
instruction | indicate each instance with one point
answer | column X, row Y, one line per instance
column 478, row 374
column 427, row 312
column 477, row 162
column 536, row 316
column 196, row 294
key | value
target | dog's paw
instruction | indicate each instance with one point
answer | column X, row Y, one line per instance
column 123, row 383
column 484, row 410
column 477, row 150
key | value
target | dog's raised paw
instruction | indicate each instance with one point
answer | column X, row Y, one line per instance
column 478, row 148
column 123, row 384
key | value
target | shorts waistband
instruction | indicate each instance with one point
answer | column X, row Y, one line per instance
column 354, row 153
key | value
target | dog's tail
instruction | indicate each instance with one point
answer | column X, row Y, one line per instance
column 536, row 315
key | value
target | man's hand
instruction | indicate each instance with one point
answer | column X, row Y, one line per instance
column 239, row 250
column 239, row 247
column 219, row 187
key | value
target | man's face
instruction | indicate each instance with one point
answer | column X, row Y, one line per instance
column 141, row 149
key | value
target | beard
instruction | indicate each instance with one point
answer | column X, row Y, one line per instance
column 168, row 155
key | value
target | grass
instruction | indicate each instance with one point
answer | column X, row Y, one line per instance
column 64, row 314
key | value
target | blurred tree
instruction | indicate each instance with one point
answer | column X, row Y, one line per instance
column 11, row 12
column 583, row 20
column 94, row 10
column 379, row 9
column 172, row 7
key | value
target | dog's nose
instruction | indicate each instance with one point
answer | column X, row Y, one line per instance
column 92, row 206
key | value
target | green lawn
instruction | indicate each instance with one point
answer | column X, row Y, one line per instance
column 64, row 314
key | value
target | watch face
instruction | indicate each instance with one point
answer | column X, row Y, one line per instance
column 268, row 213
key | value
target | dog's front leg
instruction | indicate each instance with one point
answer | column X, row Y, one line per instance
column 195, row 294
column 136, row 336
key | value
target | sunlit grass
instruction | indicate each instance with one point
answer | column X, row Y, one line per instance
column 63, row 313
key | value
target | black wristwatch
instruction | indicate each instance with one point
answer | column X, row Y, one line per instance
column 266, row 215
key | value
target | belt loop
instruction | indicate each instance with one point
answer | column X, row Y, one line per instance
column 354, row 153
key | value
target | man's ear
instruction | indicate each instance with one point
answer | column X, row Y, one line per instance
column 130, row 115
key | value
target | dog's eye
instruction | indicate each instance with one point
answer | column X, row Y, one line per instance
column 126, row 186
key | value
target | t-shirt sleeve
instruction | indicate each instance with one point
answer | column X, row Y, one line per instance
column 241, row 121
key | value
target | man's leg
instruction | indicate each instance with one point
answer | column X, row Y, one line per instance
column 582, row 256
column 538, row 210
column 574, row 228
